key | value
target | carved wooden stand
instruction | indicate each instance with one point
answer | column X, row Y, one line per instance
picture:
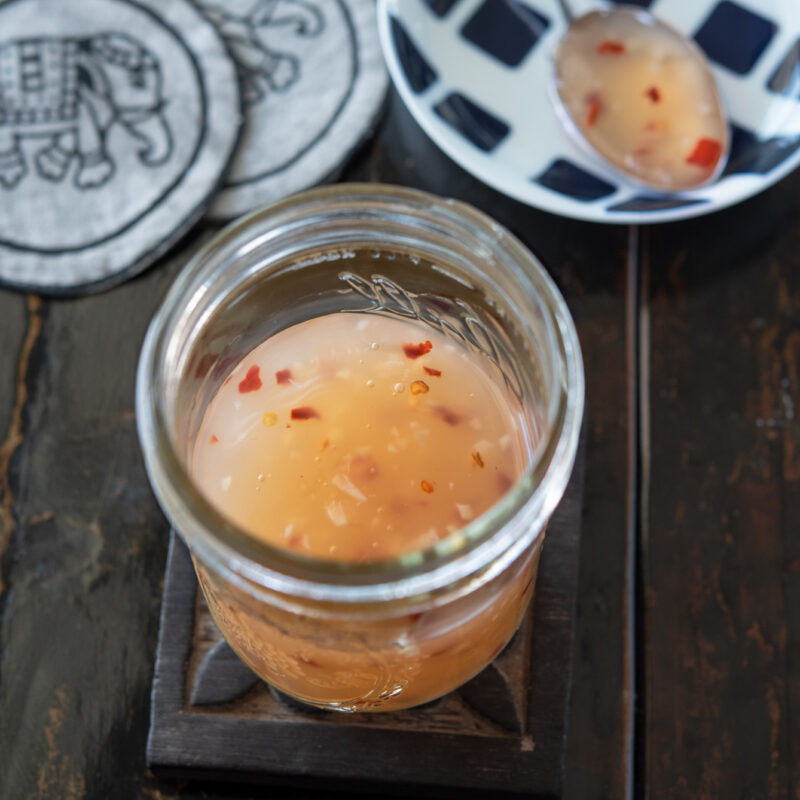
column 504, row 731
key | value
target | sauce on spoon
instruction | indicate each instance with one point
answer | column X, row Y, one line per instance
column 642, row 96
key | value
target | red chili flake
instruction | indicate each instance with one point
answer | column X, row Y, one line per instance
column 436, row 373
column 642, row 152
column 706, row 153
column 476, row 457
column 448, row 415
column 283, row 376
column 527, row 586
column 252, row 381
column 426, row 486
column 205, row 364
column 504, row 482
column 225, row 364
column 363, row 467
column 654, row 94
column 304, row 412
column 608, row 47
column 324, row 444
column 415, row 617
column 214, row 439
column 295, row 539
column 594, row 105
column 417, row 350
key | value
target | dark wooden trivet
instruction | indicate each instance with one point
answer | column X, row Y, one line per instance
column 504, row 731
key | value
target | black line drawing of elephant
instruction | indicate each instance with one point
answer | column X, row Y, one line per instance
column 262, row 68
column 69, row 92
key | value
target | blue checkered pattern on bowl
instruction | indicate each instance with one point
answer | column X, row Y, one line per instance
column 753, row 46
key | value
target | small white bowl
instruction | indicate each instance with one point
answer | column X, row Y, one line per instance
column 475, row 73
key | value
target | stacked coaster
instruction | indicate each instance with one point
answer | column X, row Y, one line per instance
column 312, row 79
column 122, row 122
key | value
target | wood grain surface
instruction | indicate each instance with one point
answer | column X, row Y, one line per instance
column 82, row 542
column 721, row 544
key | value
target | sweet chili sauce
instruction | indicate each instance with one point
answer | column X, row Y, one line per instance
column 358, row 437
column 642, row 99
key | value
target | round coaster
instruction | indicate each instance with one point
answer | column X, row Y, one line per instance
column 313, row 81
column 118, row 119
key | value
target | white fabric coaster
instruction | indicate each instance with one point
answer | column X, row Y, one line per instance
column 313, row 81
column 118, row 119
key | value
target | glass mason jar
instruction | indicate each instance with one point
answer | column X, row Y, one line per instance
column 386, row 634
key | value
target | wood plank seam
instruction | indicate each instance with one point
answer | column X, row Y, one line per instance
column 642, row 462
column 630, row 620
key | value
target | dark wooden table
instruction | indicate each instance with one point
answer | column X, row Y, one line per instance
column 687, row 665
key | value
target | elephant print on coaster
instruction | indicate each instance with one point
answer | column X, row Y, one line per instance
column 313, row 82
column 118, row 119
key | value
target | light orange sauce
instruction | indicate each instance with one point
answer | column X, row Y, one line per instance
column 360, row 437
column 642, row 100
column 349, row 437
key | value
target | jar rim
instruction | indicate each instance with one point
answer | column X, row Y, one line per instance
column 485, row 545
